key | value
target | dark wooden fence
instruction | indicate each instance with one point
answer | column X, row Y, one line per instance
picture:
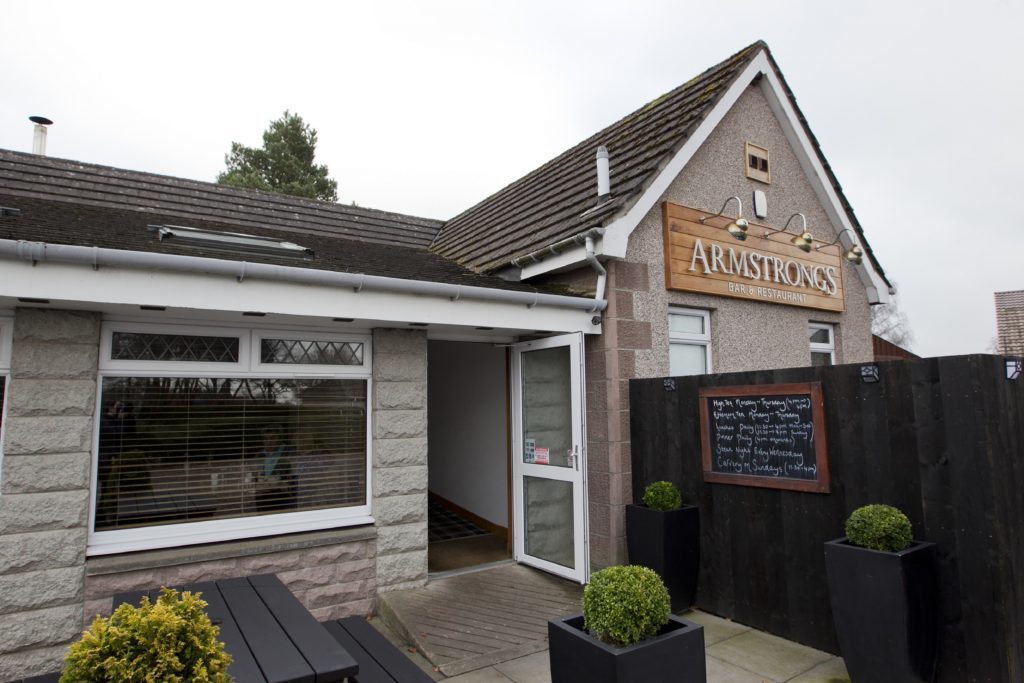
column 940, row 438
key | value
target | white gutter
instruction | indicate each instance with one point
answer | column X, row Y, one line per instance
column 37, row 252
column 585, row 239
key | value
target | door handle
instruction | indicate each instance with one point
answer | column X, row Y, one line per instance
column 573, row 457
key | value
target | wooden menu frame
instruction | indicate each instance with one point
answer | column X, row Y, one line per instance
column 810, row 389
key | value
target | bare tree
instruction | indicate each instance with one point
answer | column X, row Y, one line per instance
column 890, row 322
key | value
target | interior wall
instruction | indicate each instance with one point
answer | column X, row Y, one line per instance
column 467, row 438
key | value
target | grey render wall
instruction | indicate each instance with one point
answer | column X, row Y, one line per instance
column 745, row 335
column 44, row 499
column 400, row 457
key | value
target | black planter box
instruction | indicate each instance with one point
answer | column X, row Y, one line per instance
column 675, row 655
column 886, row 611
column 668, row 543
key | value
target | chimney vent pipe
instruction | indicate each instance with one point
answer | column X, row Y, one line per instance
column 604, row 183
column 39, row 138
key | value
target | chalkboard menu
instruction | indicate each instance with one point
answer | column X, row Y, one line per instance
column 765, row 435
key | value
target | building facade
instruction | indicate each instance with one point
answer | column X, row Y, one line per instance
column 203, row 381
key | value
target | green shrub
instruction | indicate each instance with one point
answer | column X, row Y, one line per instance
column 170, row 641
column 624, row 605
column 879, row 527
column 662, row 495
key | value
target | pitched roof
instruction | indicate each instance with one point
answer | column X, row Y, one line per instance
column 547, row 205
column 96, row 224
column 1010, row 321
column 62, row 180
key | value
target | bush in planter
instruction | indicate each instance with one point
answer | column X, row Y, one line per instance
column 624, row 605
column 170, row 640
column 879, row 527
column 626, row 634
column 664, row 534
column 662, row 495
column 884, row 591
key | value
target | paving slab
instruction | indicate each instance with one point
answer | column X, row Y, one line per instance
column 832, row 671
column 724, row 672
column 769, row 656
column 486, row 675
column 716, row 629
column 535, row 668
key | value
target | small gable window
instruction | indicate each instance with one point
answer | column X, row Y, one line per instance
column 757, row 163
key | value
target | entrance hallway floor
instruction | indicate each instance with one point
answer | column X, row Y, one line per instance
column 447, row 622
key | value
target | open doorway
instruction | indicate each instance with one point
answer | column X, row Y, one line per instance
column 468, row 461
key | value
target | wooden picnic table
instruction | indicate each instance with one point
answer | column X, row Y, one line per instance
column 268, row 633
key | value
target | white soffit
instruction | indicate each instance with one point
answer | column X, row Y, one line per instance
column 198, row 291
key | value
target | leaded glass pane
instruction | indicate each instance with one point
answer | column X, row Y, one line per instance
column 173, row 347
column 306, row 352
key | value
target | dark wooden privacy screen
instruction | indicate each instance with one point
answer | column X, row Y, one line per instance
column 770, row 435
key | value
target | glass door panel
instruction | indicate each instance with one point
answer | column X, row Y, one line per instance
column 549, row 520
column 548, row 455
column 547, row 407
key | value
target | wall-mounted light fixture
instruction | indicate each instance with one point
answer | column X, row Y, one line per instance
column 1013, row 368
column 738, row 227
column 869, row 374
column 854, row 254
column 804, row 241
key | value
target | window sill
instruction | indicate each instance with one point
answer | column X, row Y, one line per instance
column 169, row 557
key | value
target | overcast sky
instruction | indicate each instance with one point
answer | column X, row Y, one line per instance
column 428, row 107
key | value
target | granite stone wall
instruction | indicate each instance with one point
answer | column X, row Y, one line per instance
column 400, row 457
column 44, row 487
column 610, row 363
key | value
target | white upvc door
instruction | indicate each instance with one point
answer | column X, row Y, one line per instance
column 549, row 455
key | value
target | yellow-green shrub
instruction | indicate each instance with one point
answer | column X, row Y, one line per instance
column 663, row 496
column 170, row 641
column 624, row 605
column 879, row 527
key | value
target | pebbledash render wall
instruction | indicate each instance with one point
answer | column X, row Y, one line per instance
column 745, row 335
column 49, row 590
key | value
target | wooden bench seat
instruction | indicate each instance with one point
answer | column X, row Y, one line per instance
column 379, row 661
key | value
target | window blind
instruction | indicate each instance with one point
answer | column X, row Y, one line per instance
column 187, row 449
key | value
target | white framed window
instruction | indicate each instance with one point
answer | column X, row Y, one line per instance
column 689, row 337
column 200, row 438
column 823, row 343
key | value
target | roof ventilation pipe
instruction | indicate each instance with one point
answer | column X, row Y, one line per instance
column 604, row 181
column 39, row 137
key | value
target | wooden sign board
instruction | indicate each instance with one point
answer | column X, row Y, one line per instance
column 703, row 257
column 772, row 436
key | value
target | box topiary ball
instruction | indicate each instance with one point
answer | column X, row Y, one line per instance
column 170, row 641
column 662, row 495
column 879, row 527
column 624, row 605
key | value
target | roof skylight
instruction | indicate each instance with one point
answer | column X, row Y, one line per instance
column 230, row 241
